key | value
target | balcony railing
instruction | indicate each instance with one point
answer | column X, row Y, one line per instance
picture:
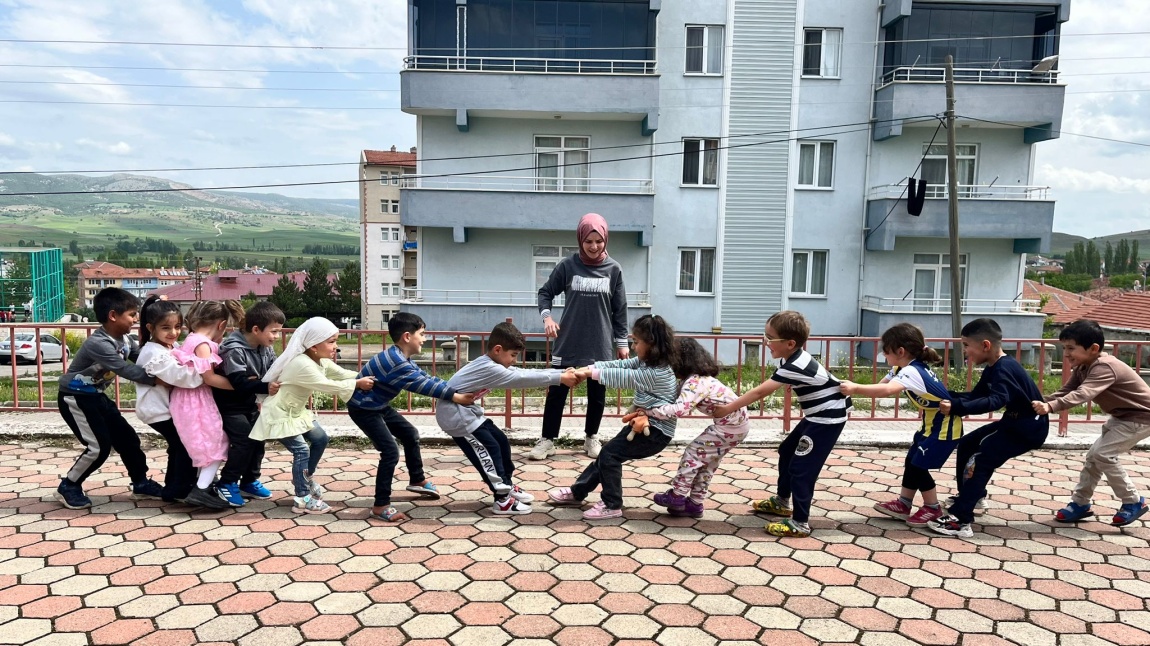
column 966, row 192
column 609, row 185
column 493, row 297
column 942, row 305
column 966, row 75
column 515, row 65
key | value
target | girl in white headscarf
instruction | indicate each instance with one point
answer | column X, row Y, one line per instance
column 305, row 368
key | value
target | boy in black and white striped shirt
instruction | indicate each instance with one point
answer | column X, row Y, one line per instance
column 825, row 409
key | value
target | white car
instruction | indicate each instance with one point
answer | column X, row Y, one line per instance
column 50, row 348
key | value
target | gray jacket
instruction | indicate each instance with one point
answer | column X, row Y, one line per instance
column 97, row 363
column 479, row 377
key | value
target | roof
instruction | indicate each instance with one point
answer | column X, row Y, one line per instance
column 215, row 289
column 389, row 158
column 1128, row 311
column 101, row 269
column 1060, row 302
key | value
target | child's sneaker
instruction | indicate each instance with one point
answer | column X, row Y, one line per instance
column 924, row 515
column 950, row 526
column 147, row 489
column 509, row 506
column 774, row 506
column 520, row 495
column 255, row 489
column 690, row 509
column 391, row 515
column 1129, row 513
column 427, row 490
column 209, row 498
column 600, row 511
column 1073, row 512
column 562, row 496
column 893, row 508
column 310, row 505
column 789, row 528
column 979, row 507
column 671, row 500
column 314, row 489
column 231, row 493
column 72, row 495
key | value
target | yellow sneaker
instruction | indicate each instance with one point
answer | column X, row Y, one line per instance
column 773, row 506
column 788, row 529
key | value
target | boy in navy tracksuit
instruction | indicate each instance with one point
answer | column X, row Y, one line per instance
column 1004, row 383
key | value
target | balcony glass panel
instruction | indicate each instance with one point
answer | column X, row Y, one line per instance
column 979, row 37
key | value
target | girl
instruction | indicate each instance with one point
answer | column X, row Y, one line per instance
column 653, row 380
column 594, row 328
column 194, row 411
column 304, row 368
column 160, row 325
column 905, row 349
column 700, row 389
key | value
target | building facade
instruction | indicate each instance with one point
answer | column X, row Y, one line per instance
column 749, row 155
column 94, row 275
column 390, row 250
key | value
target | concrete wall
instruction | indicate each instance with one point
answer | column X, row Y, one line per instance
column 1016, row 103
column 992, row 268
column 372, row 245
column 1028, row 221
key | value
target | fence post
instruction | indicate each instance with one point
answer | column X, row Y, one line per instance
column 506, row 396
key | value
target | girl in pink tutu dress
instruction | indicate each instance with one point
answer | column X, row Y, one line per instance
column 194, row 411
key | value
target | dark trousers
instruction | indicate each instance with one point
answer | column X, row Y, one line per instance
column 245, row 455
column 607, row 469
column 557, row 401
column 383, row 427
column 98, row 424
column 180, row 475
column 801, row 459
column 982, row 452
column 914, row 477
column 490, row 453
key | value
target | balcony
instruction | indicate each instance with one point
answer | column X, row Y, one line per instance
column 535, row 203
column 1022, row 213
column 459, row 309
column 1020, row 319
column 1015, row 97
column 533, row 88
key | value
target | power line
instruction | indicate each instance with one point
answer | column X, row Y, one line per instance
column 1062, row 132
column 201, row 87
column 914, row 172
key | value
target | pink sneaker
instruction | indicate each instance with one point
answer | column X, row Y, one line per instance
column 895, row 509
column 600, row 512
column 924, row 515
column 562, row 496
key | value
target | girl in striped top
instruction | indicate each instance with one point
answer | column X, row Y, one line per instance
column 650, row 374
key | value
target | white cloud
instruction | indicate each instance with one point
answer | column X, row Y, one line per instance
column 118, row 148
column 1078, row 180
column 6, row 139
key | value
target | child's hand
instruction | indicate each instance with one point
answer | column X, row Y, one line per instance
column 629, row 417
column 584, row 373
column 1042, row 408
column 363, row 383
column 463, row 399
column 944, row 407
column 570, row 378
column 848, row 387
column 724, row 410
column 273, row 387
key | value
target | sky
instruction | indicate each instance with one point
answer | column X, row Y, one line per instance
column 324, row 105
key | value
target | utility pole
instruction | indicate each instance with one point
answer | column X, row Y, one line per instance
column 198, row 280
column 952, row 202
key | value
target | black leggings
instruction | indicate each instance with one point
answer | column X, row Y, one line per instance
column 557, row 401
column 916, row 478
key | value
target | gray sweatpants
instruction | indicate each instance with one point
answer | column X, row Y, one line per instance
column 1118, row 438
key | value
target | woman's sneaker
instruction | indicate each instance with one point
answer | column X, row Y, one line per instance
column 231, row 493
column 543, row 449
column 72, row 495
column 924, row 515
column 592, row 446
column 255, row 489
column 774, row 506
column 521, row 495
column 509, row 506
column 788, row 528
column 427, row 490
column 950, row 526
column 893, row 508
column 979, row 507
column 600, row 511
column 209, row 498
column 310, row 505
column 1129, row 513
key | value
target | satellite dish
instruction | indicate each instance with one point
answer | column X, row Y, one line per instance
column 1046, row 64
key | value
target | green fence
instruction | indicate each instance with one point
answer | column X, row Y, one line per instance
column 32, row 280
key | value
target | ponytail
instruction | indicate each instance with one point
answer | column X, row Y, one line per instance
column 908, row 336
column 655, row 331
column 154, row 310
column 235, row 313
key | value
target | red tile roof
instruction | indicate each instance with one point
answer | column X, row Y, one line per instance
column 100, row 269
column 1060, row 302
column 389, row 158
column 236, row 287
column 1129, row 311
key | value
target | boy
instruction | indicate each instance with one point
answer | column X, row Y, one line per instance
column 92, row 416
column 1003, row 383
column 484, row 443
column 247, row 355
column 371, row 411
column 1120, row 392
column 803, row 452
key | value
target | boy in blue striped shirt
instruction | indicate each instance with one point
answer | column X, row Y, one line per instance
column 371, row 410
column 803, row 452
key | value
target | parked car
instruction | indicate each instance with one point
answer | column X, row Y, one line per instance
column 50, row 348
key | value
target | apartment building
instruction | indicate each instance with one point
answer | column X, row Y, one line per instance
column 94, row 275
column 390, row 249
column 749, row 155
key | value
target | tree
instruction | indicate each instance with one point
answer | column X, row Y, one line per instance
column 1135, row 261
column 249, row 300
column 1108, row 260
column 74, row 248
column 347, row 286
column 287, row 296
column 1093, row 259
column 317, row 293
column 1122, row 257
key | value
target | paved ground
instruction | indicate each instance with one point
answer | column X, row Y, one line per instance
column 166, row 574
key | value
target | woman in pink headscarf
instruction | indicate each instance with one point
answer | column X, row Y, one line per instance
column 593, row 327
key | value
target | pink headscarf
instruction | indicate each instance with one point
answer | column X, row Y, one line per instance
column 588, row 224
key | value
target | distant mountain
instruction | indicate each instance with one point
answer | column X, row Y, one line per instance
column 1062, row 242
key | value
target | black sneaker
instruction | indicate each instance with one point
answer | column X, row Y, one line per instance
column 207, row 498
column 72, row 495
column 950, row 526
column 147, row 489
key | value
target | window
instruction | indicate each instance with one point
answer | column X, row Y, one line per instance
column 562, row 163
column 822, row 52
column 809, row 273
column 934, row 169
column 816, row 164
column 389, row 289
column 932, row 281
column 696, row 271
column 388, row 177
column 704, row 50
column 700, row 162
column 545, row 257
column 389, row 262
column 389, row 234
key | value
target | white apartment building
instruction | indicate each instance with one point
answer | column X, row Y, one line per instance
column 389, row 249
column 749, row 155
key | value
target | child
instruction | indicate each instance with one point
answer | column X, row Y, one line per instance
column 304, row 368
column 393, row 371
column 803, row 452
column 194, row 410
column 93, row 417
column 700, row 389
column 484, row 443
column 649, row 373
column 247, row 355
column 907, row 353
column 1120, row 392
column 1003, row 383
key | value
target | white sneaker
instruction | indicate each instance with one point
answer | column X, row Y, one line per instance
column 509, row 506
column 592, row 446
column 542, row 449
column 521, row 495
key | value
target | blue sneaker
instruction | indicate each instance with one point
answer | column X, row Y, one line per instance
column 231, row 493
column 147, row 489
column 255, row 490
column 72, row 495
column 426, row 489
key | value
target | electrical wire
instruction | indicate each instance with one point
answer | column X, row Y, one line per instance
column 904, row 189
column 1062, row 132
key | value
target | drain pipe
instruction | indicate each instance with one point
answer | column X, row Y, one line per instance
column 866, row 177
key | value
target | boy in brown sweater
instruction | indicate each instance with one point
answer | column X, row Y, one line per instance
column 1119, row 391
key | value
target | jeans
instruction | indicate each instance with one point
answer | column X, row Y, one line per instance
column 557, row 401
column 244, row 454
column 607, row 469
column 306, row 450
column 383, row 427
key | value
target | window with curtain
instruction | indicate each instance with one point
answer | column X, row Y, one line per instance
column 816, row 164
column 809, row 273
column 562, row 163
column 700, row 162
column 704, row 50
column 934, row 169
column 696, row 271
column 822, row 52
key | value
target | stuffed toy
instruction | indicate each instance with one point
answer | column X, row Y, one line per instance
column 639, row 424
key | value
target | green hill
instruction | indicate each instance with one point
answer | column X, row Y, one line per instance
column 1060, row 243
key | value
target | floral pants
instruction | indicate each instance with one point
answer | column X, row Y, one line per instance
column 701, row 459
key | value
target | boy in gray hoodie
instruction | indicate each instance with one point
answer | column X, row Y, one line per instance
column 484, row 443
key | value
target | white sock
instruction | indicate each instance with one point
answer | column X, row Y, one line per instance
column 207, row 475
